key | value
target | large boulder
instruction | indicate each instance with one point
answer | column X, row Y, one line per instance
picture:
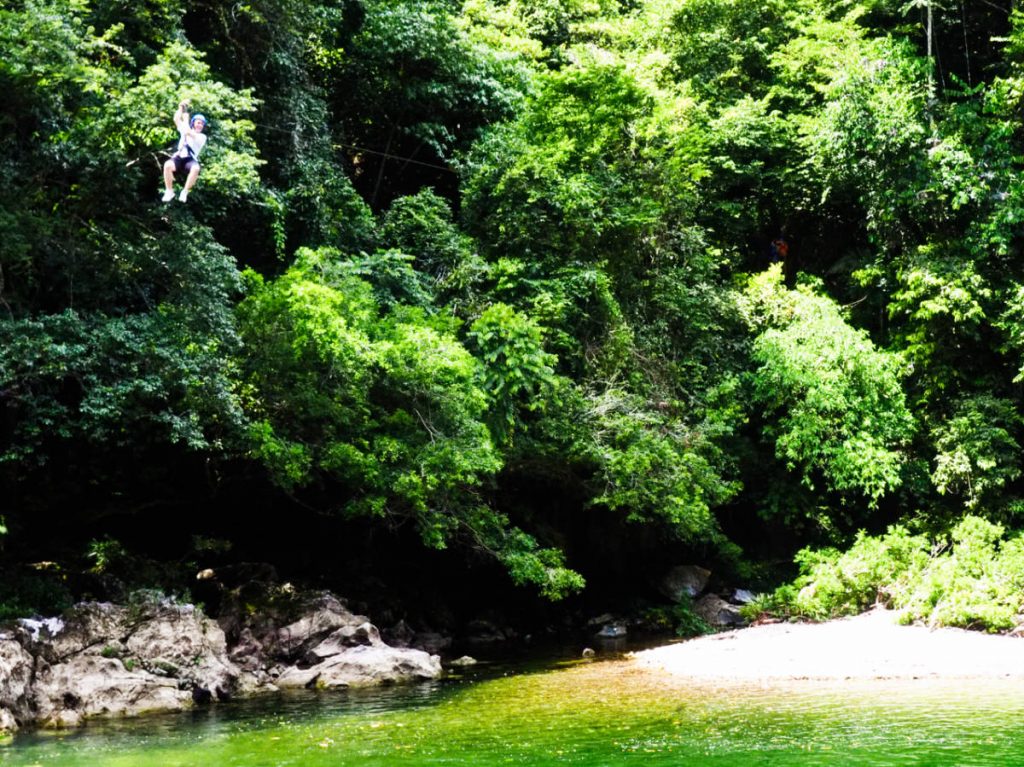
column 684, row 582
column 324, row 615
column 182, row 644
column 89, row 685
column 16, row 666
column 718, row 613
column 323, row 644
column 108, row 659
column 8, row 723
column 364, row 665
column 346, row 637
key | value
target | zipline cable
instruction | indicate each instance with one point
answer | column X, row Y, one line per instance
column 386, row 155
column 394, row 157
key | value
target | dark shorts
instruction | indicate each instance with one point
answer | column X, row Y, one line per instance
column 183, row 164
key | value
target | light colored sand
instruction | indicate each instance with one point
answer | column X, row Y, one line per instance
column 869, row 646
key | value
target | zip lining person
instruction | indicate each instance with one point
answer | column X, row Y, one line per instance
column 186, row 157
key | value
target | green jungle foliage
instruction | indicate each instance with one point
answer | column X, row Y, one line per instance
column 973, row 578
column 487, row 270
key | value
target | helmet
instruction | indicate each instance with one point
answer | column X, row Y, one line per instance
column 197, row 116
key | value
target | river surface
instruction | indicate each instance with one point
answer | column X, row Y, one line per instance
column 598, row 713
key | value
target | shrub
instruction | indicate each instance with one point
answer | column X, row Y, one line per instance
column 680, row 618
column 973, row 579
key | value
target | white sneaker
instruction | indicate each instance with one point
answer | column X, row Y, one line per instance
column 183, row 196
column 168, row 196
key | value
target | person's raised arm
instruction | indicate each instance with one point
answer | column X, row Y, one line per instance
column 181, row 117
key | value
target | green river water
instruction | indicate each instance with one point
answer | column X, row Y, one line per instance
column 604, row 713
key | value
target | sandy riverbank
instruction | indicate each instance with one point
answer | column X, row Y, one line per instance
column 868, row 646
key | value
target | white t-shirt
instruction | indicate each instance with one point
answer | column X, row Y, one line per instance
column 190, row 145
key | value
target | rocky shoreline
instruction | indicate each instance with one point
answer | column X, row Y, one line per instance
column 101, row 659
column 144, row 652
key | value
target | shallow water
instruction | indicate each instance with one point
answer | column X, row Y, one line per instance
column 606, row 713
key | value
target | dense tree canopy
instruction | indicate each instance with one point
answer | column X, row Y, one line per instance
column 745, row 275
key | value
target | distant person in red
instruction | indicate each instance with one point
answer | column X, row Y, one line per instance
column 779, row 249
column 186, row 156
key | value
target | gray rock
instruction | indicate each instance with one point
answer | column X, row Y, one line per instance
column 743, row 597
column 87, row 624
column 324, row 615
column 612, row 631
column 365, row 634
column 465, row 660
column 717, row 612
column 362, row 666
column 248, row 652
column 113, row 660
column 62, row 720
column 8, row 724
column 16, row 668
column 90, row 685
column 109, row 660
column 188, row 647
column 323, row 644
column 684, row 581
